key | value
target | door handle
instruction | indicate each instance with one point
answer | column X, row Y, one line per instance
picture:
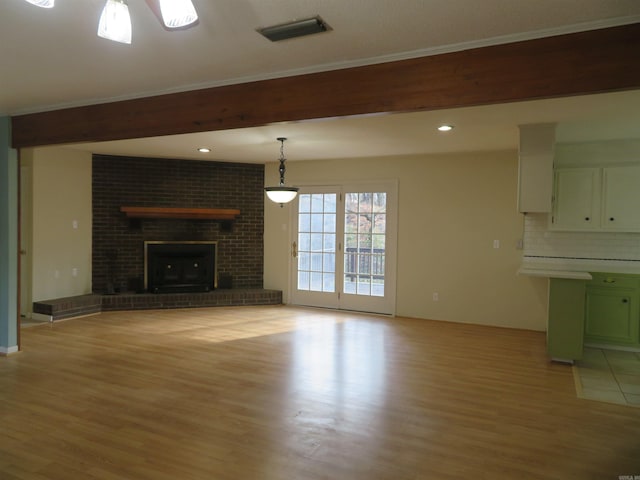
column 294, row 250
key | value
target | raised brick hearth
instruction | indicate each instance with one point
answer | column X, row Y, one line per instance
column 80, row 305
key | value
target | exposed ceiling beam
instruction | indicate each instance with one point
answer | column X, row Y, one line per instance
column 575, row 64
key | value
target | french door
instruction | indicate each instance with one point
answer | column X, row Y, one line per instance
column 344, row 249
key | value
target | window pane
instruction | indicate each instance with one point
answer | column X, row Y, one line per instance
column 329, row 222
column 303, row 280
column 380, row 223
column 304, row 242
column 329, row 262
column 330, row 202
column 377, row 287
column 316, row 262
column 304, row 222
column 364, row 264
column 363, row 287
column 316, row 242
column 316, row 282
column 316, row 222
column 351, row 202
column 303, row 261
column 304, row 203
column 364, row 242
column 351, row 223
column 364, row 223
column 364, row 202
column 317, row 202
column 329, row 243
column 378, row 242
column 349, row 284
column 328, row 282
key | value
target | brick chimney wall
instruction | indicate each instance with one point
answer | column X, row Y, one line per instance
column 118, row 253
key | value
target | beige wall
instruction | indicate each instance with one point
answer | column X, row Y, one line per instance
column 452, row 208
column 61, row 194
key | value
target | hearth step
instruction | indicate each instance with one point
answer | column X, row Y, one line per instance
column 61, row 308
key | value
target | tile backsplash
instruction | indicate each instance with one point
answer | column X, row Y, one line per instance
column 540, row 242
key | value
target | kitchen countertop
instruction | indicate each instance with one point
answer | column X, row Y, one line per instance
column 571, row 268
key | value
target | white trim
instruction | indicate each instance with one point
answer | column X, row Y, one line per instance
column 340, row 300
column 8, row 350
column 422, row 52
column 41, row 317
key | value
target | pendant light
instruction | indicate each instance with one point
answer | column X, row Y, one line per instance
column 178, row 13
column 42, row 3
column 115, row 22
column 281, row 194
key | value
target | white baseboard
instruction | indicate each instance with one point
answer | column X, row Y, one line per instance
column 8, row 350
column 41, row 317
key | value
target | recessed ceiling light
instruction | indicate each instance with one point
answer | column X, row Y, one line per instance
column 204, row 150
column 445, row 128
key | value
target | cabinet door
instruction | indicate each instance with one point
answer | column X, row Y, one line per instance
column 576, row 203
column 612, row 316
column 566, row 319
column 621, row 198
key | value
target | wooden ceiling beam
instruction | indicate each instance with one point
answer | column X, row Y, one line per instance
column 581, row 63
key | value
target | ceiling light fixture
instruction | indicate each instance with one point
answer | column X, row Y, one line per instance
column 299, row 28
column 42, row 3
column 281, row 194
column 115, row 22
column 445, row 128
column 178, row 13
column 204, row 149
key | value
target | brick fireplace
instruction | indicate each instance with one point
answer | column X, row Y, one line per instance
column 118, row 241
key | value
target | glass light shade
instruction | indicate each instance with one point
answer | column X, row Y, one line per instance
column 178, row 13
column 115, row 22
column 42, row 3
column 281, row 194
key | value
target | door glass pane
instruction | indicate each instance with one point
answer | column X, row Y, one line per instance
column 364, row 239
column 317, row 242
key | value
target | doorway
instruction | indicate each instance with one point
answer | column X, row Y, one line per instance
column 344, row 247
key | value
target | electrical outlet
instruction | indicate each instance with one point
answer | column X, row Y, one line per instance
column 496, row 244
column 74, row 224
column 74, row 272
column 436, row 296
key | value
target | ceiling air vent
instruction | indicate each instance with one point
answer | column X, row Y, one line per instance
column 299, row 28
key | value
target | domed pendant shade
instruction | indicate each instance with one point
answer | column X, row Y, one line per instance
column 281, row 194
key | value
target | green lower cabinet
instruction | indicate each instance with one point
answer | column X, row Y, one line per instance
column 612, row 313
column 565, row 331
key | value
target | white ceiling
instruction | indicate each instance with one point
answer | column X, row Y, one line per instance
column 52, row 58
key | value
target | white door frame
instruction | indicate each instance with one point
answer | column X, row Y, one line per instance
column 387, row 303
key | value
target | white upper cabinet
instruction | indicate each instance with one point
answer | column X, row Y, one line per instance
column 621, row 198
column 576, row 199
column 535, row 167
column 597, row 199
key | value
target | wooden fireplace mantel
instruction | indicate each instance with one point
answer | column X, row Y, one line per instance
column 183, row 213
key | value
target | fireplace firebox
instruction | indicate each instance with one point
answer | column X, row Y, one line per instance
column 179, row 266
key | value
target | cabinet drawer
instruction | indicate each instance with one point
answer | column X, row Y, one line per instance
column 604, row 280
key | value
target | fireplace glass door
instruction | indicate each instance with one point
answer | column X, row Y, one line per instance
column 344, row 248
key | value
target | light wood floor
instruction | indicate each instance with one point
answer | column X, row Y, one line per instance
column 285, row 393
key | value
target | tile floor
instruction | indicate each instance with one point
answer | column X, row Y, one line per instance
column 608, row 376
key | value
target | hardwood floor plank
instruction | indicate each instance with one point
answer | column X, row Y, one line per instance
column 279, row 392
